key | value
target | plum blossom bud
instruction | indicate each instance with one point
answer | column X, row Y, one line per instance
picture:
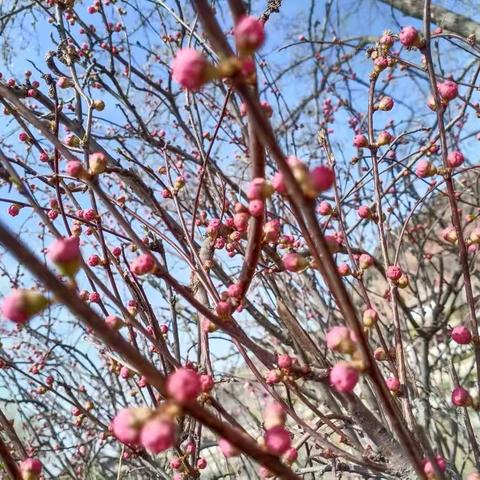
column 409, row 37
column 249, row 34
column 386, row 104
column 65, row 254
column 324, row 208
column 429, row 469
column 227, row 448
column 274, row 415
column 360, row 141
column 364, row 212
column 343, row 377
column 455, row 159
column 461, row 335
column 291, row 455
column 223, row 309
column 259, row 189
column 158, row 435
column 127, row 424
column 294, row 262
column 184, row 385
column 21, row 305
column 201, row 463
column 207, row 383
column 461, row 397
column 143, row 264
column 256, row 208
column 273, row 377
column 75, row 169
column 473, row 476
column 394, row 272
column 277, row 440
column 190, row 69
column 370, row 317
column 98, row 163
column 64, row 82
column 322, row 178
column 425, row 169
column 14, row 210
column 448, row 90
column 30, row 469
column 271, row 231
column 344, row 269
column 341, row 339
column 449, row 234
column 384, row 138
column 240, row 220
column 393, row 384
column 278, row 183
column 285, row 361
column 365, row 261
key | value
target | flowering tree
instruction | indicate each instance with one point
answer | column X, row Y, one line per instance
column 238, row 242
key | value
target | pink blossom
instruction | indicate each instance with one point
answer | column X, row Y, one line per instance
column 340, row 339
column 206, row 382
column 409, row 37
column 448, row 90
column 274, row 415
column 143, row 264
column 184, row 385
column 249, row 33
column 190, row 69
column 324, row 208
column 343, row 377
column 364, row 212
column 277, row 440
column 393, row 384
column 75, row 168
column 285, row 361
column 125, row 427
column 461, row 397
column 455, row 159
column 461, row 335
column 278, row 183
column 425, row 169
column 322, row 178
column 22, row 304
column 294, row 262
column 394, row 272
column 291, row 455
column 65, row 250
column 158, row 435
column 360, row 141
column 30, row 468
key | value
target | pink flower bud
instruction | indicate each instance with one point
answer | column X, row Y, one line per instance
column 461, row 397
column 449, row 234
column 184, row 385
column 384, row 138
column 235, row 290
column 461, row 335
column 385, row 104
column 277, row 440
column 360, row 141
column 223, row 309
column 370, row 317
column 158, row 435
column 343, row 377
column 14, row 210
column 473, row 476
column 259, row 189
column 30, row 468
column 175, row 463
column 341, row 339
column 409, row 37
column 201, row 463
column 93, row 260
column 271, row 230
column 364, row 212
column 98, row 163
column 65, row 254
column 394, row 272
column 143, row 264
column 273, row 377
column 365, row 261
column 240, row 220
column 455, row 159
column 278, row 183
column 285, row 361
column 249, row 34
column 429, row 469
column 256, row 208
column 294, row 262
column 324, row 208
column 190, row 69
column 127, row 424
column 274, row 415
column 425, row 169
column 448, row 90
column 291, row 455
column 21, row 304
column 344, row 269
column 393, row 384
column 207, row 383
column 322, row 178
column 227, row 448
column 75, row 169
